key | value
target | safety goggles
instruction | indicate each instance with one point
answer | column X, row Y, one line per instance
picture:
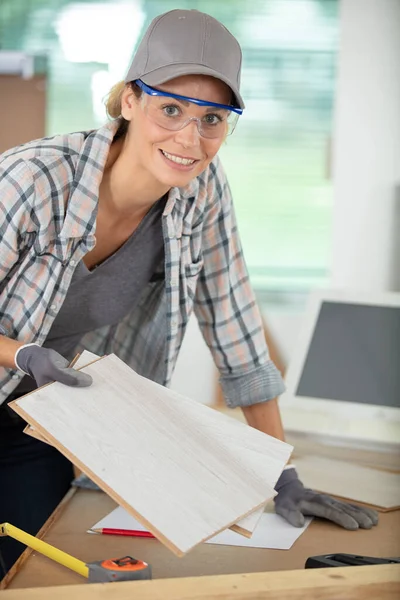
column 173, row 112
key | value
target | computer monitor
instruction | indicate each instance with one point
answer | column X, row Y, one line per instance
column 343, row 378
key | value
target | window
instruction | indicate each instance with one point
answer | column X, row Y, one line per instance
column 277, row 158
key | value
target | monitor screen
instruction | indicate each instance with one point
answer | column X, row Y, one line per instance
column 354, row 355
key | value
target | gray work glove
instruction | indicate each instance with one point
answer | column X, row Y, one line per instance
column 293, row 501
column 46, row 365
column 82, row 481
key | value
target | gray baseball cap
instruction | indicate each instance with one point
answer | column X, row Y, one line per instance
column 187, row 42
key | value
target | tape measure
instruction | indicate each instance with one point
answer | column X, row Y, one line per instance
column 119, row 569
column 114, row 569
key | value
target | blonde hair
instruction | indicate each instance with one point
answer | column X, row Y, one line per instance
column 114, row 97
column 113, row 100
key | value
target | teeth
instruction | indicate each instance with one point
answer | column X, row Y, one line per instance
column 178, row 159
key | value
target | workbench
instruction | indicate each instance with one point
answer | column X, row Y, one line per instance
column 213, row 571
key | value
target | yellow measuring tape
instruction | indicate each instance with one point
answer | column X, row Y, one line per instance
column 50, row 551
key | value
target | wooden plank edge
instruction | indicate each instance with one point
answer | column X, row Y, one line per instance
column 33, row 433
column 247, row 533
column 341, row 583
column 5, row 582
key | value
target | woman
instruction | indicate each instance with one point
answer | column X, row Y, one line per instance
column 111, row 237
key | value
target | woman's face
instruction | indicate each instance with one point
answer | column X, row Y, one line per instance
column 159, row 150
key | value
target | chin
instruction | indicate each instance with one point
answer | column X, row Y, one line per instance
column 178, row 181
column 174, row 179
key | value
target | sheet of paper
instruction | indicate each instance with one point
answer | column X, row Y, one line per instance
column 271, row 532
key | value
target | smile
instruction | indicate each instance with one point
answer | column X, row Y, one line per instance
column 178, row 159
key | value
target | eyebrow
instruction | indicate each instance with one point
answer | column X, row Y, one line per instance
column 209, row 108
column 216, row 109
column 184, row 102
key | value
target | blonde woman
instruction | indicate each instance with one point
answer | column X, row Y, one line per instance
column 109, row 239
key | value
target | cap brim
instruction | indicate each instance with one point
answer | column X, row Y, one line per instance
column 168, row 72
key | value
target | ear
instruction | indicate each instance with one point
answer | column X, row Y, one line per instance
column 128, row 103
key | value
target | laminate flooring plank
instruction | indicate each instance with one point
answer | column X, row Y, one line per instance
column 181, row 468
column 81, row 361
column 352, row 482
column 245, row 526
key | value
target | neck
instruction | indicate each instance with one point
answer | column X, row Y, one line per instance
column 126, row 188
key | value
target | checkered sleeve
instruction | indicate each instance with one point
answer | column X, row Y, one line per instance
column 17, row 218
column 225, row 305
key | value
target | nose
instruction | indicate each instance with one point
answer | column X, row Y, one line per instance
column 189, row 135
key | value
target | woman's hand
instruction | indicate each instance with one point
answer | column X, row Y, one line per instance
column 293, row 502
column 46, row 365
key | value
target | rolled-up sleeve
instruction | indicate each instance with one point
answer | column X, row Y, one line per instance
column 264, row 383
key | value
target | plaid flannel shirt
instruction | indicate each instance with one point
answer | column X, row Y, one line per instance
column 48, row 205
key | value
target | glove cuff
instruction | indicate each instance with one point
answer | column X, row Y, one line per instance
column 16, row 357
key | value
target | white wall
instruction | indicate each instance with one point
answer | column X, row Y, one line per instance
column 366, row 150
column 195, row 375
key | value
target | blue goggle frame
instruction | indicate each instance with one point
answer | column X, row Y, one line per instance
column 154, row 92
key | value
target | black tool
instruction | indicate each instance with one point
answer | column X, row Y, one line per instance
column 346, row 560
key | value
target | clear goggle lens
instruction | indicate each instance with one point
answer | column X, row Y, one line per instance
column 170, row 114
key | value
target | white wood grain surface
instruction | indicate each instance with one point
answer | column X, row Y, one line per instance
column 181, row 468
column 245, row 526
column 83, row 360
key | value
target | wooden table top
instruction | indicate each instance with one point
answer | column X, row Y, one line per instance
column 84, row 508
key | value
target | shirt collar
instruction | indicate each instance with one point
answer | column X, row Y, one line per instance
column 83, row 200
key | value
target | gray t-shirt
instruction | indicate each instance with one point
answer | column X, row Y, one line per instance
column 105, row 295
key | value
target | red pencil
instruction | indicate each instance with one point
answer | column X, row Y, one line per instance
column 131, row 532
